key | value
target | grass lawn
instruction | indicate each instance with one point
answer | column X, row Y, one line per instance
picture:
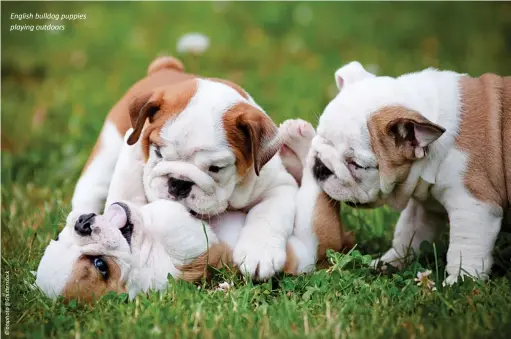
column 57, row 88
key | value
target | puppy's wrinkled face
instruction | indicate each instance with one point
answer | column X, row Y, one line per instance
column 90, row 257
column 201, row 138
column 368, row 137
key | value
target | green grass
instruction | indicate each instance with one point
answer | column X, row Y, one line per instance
column 57, row 88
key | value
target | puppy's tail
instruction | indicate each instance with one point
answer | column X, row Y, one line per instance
column 165, row 62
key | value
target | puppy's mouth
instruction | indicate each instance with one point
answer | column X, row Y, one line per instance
column 126, row 230
column 198, row 215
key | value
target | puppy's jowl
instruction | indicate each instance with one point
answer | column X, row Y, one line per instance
column 434, row 143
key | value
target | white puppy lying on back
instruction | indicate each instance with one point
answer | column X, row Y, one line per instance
column 436, row 143
column 135, row 245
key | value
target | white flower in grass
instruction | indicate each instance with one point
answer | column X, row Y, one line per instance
column 195, row 43
column 156, row 330
column 303, row 15
column 224, row 286
column 424, row 280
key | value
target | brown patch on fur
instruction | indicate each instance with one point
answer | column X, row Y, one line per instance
column 485, row 135
column 119, row 114
column 328, row 227
column 217, row 256
column 231, row 84
column 252, row 135
column 291, row 265
column 155, row 109
column 165, row 62
column 87, row 284
column 395, row 154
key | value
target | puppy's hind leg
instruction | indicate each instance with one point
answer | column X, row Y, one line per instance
column 126, row 183
column 92, row 188
column 474, row 229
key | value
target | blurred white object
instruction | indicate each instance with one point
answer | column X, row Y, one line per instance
column 196, row 43
column 224, row 286
column 303, row 15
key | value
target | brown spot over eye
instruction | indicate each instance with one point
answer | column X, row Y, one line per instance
column 87, row 283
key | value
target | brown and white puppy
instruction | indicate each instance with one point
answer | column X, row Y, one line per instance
column 135, row 245
column 208, row 145
column 436, row 143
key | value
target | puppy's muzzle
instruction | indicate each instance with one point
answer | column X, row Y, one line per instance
column 180, row 189
column 320, row 171
column 84, row 223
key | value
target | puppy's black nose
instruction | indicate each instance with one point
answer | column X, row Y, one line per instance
column 84, row 223
column 320, row 171
column 179, row 188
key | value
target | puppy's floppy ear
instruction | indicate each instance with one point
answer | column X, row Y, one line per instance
column 263, row 138
column 414, row 133
column 143, row 107
column 253, row 136
column 351, row 73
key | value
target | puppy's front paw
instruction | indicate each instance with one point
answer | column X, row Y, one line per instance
column 259, row 259
column 391, row 257
column 297, row 135
column 460, row 277
column 451, row 280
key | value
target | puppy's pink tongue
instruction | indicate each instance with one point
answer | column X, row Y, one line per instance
column 116, row 216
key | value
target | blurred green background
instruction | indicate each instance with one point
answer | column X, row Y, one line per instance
column 58, row 86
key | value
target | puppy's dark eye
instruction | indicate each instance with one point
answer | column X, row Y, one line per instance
column 357, row 166
column 214, row 169
column 157, row 151
column 101, row 265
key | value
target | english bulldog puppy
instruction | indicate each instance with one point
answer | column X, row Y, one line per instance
column 208, row 145
column 127, row 249
column 435, row 144
column 135, row 245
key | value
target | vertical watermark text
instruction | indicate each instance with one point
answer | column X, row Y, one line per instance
column 7, row 303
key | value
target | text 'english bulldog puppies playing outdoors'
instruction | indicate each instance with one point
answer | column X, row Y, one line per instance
column 434, row 144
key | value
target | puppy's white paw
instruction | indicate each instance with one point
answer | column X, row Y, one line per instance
column 391, row 257
column 460, row 277
column 297, row 135
column 451, row 280
column 259, row 259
